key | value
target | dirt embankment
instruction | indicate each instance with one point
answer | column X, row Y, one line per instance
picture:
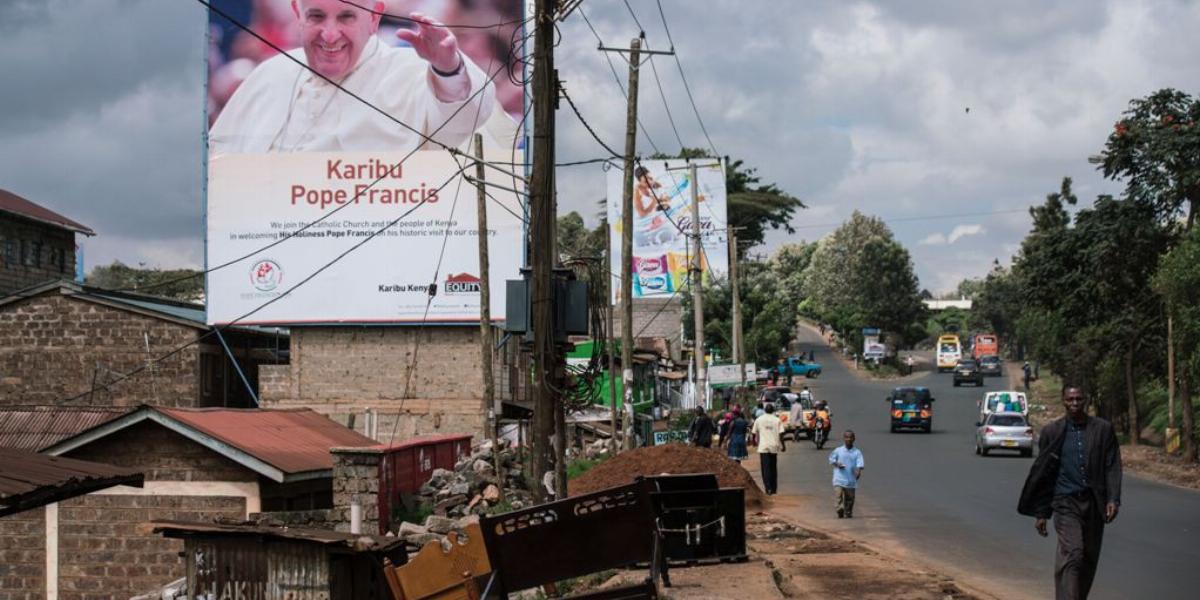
column 674, row 459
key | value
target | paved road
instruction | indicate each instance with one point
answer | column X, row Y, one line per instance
column 953, row 509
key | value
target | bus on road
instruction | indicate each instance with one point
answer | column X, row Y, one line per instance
column 949, row 351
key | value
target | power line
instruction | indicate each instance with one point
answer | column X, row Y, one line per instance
column 657, row 82
column 617, row 78
column 587, row 125
column 687, row 88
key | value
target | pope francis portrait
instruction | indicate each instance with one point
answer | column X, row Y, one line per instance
column 430, row 85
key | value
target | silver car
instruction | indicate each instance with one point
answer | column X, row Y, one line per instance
column 1004, row 431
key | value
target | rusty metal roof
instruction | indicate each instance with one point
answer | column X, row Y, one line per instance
column 280, row 444
column 12, row 203
column 29, row 480
column 34, row 428
column 327, row 537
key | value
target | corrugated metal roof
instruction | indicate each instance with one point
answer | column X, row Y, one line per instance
column 291, row 440
column 34, row 428
column 29, row 480
column 356, row 541
column 12, row 203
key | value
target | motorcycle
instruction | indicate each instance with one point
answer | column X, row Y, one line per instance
column 820, row 433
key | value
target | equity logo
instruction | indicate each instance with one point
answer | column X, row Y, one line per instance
column 463, row 283
column 266, row 275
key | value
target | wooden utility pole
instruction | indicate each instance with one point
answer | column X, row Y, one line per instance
column 635, row 56
column 612, row 338
column 541, row 246
column 738, row 354
column 491, row 414
column 698, row 290
column 635, row 48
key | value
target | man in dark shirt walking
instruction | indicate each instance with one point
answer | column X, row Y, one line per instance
column 1077, row 479
column 701, row 431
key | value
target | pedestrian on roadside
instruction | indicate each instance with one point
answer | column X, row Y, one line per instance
column 768, row 429
column 812, row 356
column 847, row 462
column 1077, row 480
column 723, row 429
column 700, row 433
column 738, row 429
column 1028, row 371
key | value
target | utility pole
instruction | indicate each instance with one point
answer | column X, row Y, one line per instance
column 491, row 416
column 738, row 355
column 635, row 48
column 542, row 222
column 635, row 55
column 612, row 338
column 698, row 290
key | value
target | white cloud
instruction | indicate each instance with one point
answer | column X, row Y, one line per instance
column 933, row 239
column 962, row 231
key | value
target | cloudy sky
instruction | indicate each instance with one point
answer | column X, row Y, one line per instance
column 847, row 105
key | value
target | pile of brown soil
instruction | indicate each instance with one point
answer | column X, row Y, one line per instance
column 674, row 459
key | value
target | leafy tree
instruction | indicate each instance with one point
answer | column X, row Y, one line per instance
column 1156, row 148
column 753, row 206
column 180, row 284
column 859, row 276
column 1178, row 281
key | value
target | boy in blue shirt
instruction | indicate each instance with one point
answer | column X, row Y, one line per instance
column 847, row 462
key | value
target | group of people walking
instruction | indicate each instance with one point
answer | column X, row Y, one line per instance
column 1075, row 480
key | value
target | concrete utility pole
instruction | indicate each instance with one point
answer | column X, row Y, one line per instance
column 738, row 355
column 541, row 227
column 698, row 291
column 491, row 414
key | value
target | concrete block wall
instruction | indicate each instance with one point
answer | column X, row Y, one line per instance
column 54, row 248
column 53, row 347
column 162, row 455
column 356, row 473
column 339, row 371
column 23, row 555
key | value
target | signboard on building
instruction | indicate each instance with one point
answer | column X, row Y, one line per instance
column 333, row 195
column 672, row 436
column 662, row 224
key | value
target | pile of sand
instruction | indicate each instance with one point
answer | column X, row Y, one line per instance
column 674, row 459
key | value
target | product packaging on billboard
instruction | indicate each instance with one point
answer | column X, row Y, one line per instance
column 662, row 223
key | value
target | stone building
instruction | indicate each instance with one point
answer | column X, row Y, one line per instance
column 62, row 342
column 198, row 464
column 36, row 243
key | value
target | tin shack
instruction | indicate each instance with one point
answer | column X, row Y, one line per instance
column 260, row 562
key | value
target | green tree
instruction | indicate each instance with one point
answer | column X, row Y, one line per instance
column 180, row 284
column 1178, row 281
column 859, row 276
column 1155, row 148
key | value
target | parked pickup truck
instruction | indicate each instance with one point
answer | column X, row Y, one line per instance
column 798, row 367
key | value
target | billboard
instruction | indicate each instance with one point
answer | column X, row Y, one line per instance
column 662, row 224
column 338, row 145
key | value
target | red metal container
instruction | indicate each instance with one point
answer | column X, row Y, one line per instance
column 408, row 465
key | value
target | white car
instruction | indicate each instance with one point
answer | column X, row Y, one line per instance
column 1004, row 431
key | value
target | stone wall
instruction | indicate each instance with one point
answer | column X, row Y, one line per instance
column 33, row 253
column 23, row 555
column 356, row 473
column 339, row 371
column 53, row 347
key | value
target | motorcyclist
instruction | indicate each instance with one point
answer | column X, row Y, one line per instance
column 824, row 415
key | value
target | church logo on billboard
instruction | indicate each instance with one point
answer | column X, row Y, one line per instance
column 266, row 275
